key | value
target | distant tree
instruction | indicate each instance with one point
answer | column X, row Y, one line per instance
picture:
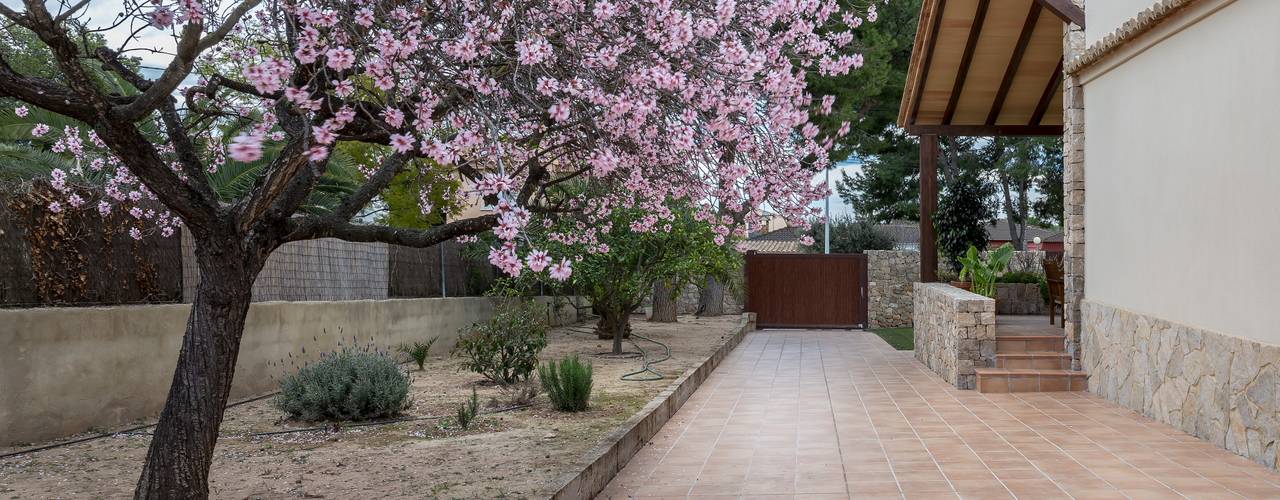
column 1018, row 165
column 867, row 99
column 629, row 250
column 887, row 187
column 964, row 210
column 849, row 235
column 1048, row 208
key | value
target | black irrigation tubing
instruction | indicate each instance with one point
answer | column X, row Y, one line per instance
column 113, row 433
column 380, row 422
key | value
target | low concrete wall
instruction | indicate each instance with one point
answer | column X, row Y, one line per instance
column 1214, row 386
column 65, row 371
column 955, row 332
column 890, row 274
column 1019, row 298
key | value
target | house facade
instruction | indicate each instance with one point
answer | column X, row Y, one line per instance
column 1166, row 129
column 1162, row 106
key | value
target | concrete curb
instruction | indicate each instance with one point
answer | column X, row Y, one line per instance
column 616, row 449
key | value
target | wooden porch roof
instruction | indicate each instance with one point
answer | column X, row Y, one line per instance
column 987, row 67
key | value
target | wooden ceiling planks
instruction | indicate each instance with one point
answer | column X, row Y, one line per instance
column 992, row 81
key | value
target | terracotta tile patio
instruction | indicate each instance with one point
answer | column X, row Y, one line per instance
column 812, row 414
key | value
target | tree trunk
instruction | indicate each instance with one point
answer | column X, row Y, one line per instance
column 614, row 325
column 711, row 298
column 181, row 450
column 665, row 302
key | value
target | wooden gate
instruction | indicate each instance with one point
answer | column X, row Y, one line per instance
column 807, row 290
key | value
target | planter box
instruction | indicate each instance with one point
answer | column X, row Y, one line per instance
column 1019, row 298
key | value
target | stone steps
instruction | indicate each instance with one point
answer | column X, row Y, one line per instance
column 1030, row 343
column 1034, row 360
column 1000, row 380
column 1030, row 358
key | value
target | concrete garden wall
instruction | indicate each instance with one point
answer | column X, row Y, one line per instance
column 955, row 332
column 69, row 370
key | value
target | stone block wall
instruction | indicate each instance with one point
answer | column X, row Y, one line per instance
column 890, row 275
column 955, row 332
column 1220, row 388
column 1019, row 298
column 1073, row 137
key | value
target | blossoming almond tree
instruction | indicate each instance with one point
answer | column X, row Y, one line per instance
column 694, row 100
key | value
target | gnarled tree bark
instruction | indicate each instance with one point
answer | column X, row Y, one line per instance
column 181, row 451
column 665, row 302
column 711, row 298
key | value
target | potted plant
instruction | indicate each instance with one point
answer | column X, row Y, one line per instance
column 982, row 272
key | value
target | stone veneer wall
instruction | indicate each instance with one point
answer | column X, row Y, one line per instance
column 1019, row 298
column 1220, row 388
column 955, row 332
column 890, row 274
column 1073, row 45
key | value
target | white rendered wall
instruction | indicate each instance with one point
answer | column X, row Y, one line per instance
column 1104, row 16
column 1182, row 152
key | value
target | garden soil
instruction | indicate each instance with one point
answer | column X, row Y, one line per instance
column 516, row 453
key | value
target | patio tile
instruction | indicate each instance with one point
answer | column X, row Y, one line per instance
column 813, row 415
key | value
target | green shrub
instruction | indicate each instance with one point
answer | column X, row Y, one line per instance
column 505, row 349
column 467, row 411
column 348, row 384
column 1019, row 277
column 567, row 383
column 418, row 351
column 1027, row 277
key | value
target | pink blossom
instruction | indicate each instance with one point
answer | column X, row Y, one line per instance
column 317, row 153
column 340, row 58
column 39, row 130
column 393, row 117
column 21, row 111
column 55, row 207
column 559, row 112
column 161, row 18
column 104, row 208
column 538, row 260
column 561, row 271
column 245, row 148
column 401, row 143
column 135, row 233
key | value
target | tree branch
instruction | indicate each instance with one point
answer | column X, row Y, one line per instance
column 312, row 227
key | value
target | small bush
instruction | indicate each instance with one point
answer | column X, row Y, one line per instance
column 1018, row 277
column 505, row 349
column 348, row 384
column 418, row 351
column 467, row 411
column 522, row 393
column 1027, row 277
column 567, row 383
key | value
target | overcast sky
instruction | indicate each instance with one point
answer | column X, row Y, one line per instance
column 838, row 206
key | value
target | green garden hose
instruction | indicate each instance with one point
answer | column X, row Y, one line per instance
column 648, row 364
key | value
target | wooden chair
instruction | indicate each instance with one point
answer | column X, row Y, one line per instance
column 1053, row 276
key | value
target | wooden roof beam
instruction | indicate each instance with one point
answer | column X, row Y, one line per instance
column 1019, row 50
column 975, row 32
column 1066, row 10
column 928, row 57
column 1050, row 90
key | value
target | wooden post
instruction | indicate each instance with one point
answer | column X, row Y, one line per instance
column 928, row 205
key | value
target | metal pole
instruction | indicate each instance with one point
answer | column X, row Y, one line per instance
column 826, row 227
column 443, row 291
